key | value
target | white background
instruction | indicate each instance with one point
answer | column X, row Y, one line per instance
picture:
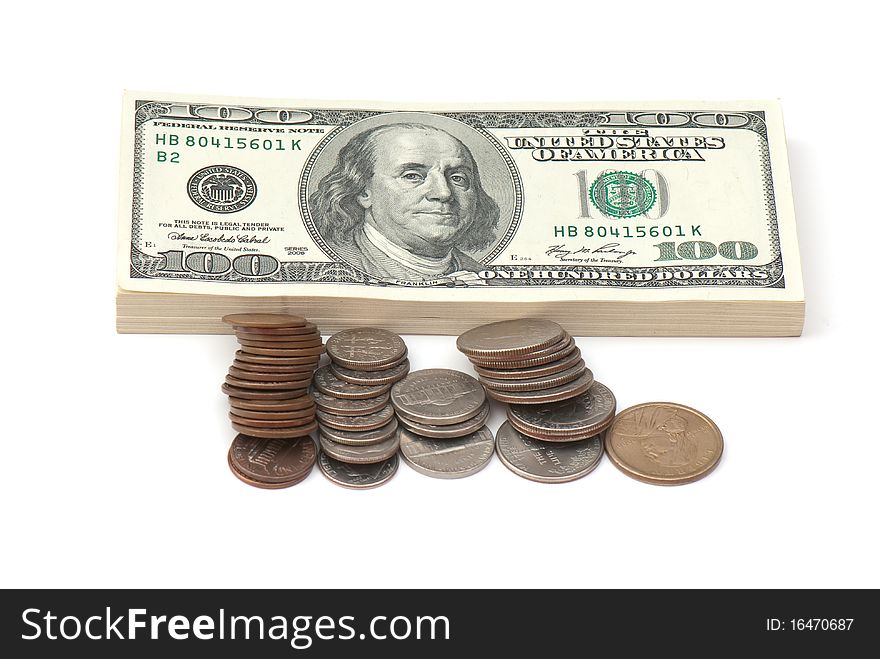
column 114, row 447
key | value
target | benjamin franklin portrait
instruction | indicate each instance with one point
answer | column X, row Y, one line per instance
column 404, row 201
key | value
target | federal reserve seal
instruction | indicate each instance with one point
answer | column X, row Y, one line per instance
column 622, row 194
column 222, row 189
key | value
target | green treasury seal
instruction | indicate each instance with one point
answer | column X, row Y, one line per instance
column 622, row 194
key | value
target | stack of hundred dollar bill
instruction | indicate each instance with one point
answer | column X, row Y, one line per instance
column 666, row 218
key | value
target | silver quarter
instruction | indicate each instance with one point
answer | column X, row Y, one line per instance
column 349, row 406
column 447, row 458
column 367, row 454
column 533, row 372
column 325, row 381
column 365, row 347
column 586, row 414
column 509, row 338
column 554, row 353
column 562, row 392
column 452, row 430
column 546, row 462
column 360, row 438
column 357, row 477
column 384, row 376
column 356, row 423
column 438, row 396
column 536, row 384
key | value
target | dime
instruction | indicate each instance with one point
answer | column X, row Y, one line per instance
column 253, row 394
column 357, row 477
column 587, row 414
column 533, row 372
column 364, row 454
column 268, row 386
column 299, row 403
column 272, row 433
column 325, row 381
column 367, row 368
column 276, row 360
column 288, row 422
column 282, row 345
column 509, row 338
column 536, row 384
column 450, row 431
column 385, row 376
column 256, row 376
column 306, row 413
column 552, row 354
column 363, row 438
column 281, row 369
column 263, row 320
column 356, row 423
column 365, row 347
column 438, row 396
column 562, row 392
column 447, row 458
column 349, row 406
column 546, row 462
column 308, row 328
column 284, row 352
column 272, row 460
column 664, row 443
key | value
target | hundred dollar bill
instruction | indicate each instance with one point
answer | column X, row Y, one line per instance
column 592, row 201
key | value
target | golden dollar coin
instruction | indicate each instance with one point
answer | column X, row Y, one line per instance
column 664, row 443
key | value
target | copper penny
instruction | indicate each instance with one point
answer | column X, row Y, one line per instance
column 365, row 347
column 664, row 443
column 263, row 320
column 282, row 345
column 536, row 384
column 272, row 460
column 356, row 423
column 308, row 328
column 532, row 372
column 386, row 376
column 264, row 423
column 365, row 454
column 558, row 350
column 360, row 438
column 269, row 377
column 325, row 381
column 512, row 339
column 281, row 369
column 562, row 392
column 268, row 386
column 349, row 406
column 254, row 394
column 450, row 431
column 285, row 352
column 299, row 403
column 275, row 433
column 276, row 360
column 306, row 413
column 262, row 484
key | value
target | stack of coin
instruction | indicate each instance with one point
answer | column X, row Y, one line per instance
column 358, row 429
column 528, row 361
column 267, row 386
column 444, row 414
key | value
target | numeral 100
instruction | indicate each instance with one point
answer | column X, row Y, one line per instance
column 700, row 250
column 211, row 263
